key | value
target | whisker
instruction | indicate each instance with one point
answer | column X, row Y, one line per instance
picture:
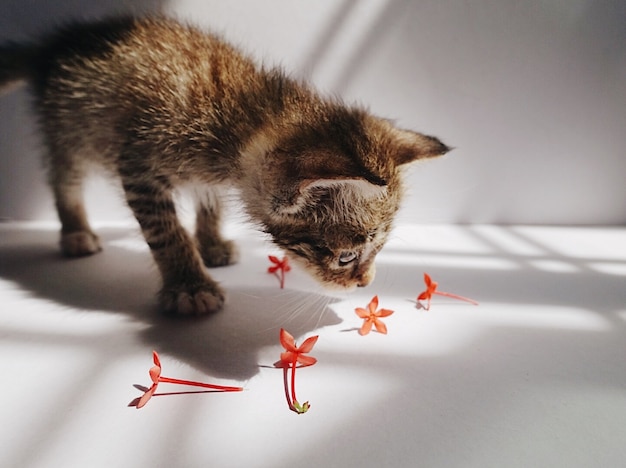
column 324, row 301
column 292, row 307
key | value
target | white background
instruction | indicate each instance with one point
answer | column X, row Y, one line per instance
column 532, row 94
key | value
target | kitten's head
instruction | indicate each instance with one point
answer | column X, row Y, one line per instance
column 330, row 187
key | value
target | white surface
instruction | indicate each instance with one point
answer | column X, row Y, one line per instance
column 533, row 376
column 532, row 94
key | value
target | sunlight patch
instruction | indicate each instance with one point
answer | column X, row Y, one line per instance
column 548, row 317
column 506, row 240
column 580, row 242
column 134, row 244
column 554, row 266
column 449, row 261
column 51, row 321
column 618, row 269
column 451, row 239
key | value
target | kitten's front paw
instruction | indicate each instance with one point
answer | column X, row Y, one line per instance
column 79, row 244
column 203, row 299
column 222, row 254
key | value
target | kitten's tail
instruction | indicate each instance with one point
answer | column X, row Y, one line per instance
column 16, row 64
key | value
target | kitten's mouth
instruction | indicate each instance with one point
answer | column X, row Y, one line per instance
column 351, row 285
column 343, row 284
column 331, row 286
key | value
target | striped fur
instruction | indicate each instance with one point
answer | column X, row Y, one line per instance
column 161, row 104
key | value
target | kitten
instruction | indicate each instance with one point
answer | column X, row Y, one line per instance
column 162, row 104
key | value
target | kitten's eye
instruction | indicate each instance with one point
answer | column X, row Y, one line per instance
column 346, row 258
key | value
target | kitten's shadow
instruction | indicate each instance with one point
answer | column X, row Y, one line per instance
column 227, row 344
column 123, row 280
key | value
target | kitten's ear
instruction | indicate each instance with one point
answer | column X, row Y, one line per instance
column 413, row 146
column 302, row 178
column 360, row 187
column 337, row 170
column 306, row 192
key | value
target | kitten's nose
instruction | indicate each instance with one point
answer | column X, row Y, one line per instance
column 367, row 277
column 363, row 281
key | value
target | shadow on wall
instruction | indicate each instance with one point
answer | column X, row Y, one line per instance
column 20, row 146
column 20, row 19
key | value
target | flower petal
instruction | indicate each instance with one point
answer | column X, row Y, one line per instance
column 362, row 312
column 287, row 340
column 306, row 360
column 307, row 345
column 155, row 358
column 288, row 357
column 423, row 296
column 146, row 396
column 373, row 305
column 155, row 373
column 427, row 279
column 384, row 313
column 274, row 259
column 365, row 328
column 380, row 326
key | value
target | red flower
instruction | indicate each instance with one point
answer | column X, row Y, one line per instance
column 290, row 358
column 431, row 290
column 279, row 268
column 294, row 354
column 372, row 317
column 155, row 376
column 431, row 286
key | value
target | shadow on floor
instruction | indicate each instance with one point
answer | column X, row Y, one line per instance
column 124, row 281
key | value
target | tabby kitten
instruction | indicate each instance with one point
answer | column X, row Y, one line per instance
column 162, row 104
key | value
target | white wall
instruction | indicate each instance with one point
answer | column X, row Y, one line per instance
column 532, row 94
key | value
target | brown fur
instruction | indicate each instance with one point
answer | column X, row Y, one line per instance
column 162, row 104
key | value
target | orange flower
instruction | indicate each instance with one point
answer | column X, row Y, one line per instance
column 290, row 358
column 294, row 354
column 155, row 376
column 431, row 290
column 372, row 317
column 431, row 286
column 279, row 268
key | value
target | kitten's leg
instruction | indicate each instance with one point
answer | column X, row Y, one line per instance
column 77, row 238
column 215, row 250
column 187, row 288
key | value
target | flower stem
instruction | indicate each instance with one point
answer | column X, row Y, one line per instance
column 286, row 385
column 200, row 384
column 455, row 296
column 290, row 394
column 293, row 382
